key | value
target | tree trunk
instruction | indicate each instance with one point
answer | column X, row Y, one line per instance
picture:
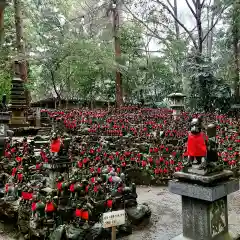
column 177, row 30
column 199, row 26
column 2, row 6
column 211, row 17
column 20, row 44
column 119, row 92
column 236, row 46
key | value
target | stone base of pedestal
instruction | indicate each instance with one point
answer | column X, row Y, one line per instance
column 225, row 236
column 18, row 119
column 204, row 209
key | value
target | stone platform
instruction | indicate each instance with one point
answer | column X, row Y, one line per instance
column 204, row 179
column 202, row 192
column 204, row 207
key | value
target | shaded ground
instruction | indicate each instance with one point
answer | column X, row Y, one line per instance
column 166, row 220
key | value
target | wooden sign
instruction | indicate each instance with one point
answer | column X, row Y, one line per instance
column 113, row 219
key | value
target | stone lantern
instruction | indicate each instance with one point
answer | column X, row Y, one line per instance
column 18, row 102
column 177, row 103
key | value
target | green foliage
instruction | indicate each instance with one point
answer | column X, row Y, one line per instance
column 71, row 58
column 6, row 52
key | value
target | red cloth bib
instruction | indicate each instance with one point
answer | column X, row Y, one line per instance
column 49, row 207
column 6, row 187
column 109, row 203
column 34, row 206
column 55, row 145
column 78, row 213
column 85, row 215
column 72, row 187
column 59, row 186
column 196, row 146
column 14, row 170
column 20, row 176
column 25, row 195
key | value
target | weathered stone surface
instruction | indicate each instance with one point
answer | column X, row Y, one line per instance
column 138, row 214
column 202, row 192
column 208, row 179
column 204, row 220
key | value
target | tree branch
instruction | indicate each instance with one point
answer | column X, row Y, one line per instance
column 191, row 9
column 179, row 22
column 169, row 3
column 143, row 23
column 215, row 23
column 202, row 4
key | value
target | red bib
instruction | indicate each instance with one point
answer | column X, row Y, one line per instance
column 55, row 145
column 49, row 207
column 72, row 187
column 196, row 146
column 78, row 213
column 85, row 215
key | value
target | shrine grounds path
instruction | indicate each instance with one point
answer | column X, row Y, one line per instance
column 166, row 220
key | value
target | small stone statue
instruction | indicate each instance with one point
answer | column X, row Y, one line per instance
column 196, row 145
column 50, row 208
column 203, row 149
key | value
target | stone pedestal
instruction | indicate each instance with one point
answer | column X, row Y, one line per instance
column 204, row 208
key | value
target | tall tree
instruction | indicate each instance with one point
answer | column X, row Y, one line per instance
column 236, row 46
column 2, row 6
column 20, row 44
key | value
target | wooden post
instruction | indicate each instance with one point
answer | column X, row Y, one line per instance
column 114, row 233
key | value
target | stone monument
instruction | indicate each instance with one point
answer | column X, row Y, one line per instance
column 177, row 103
column 18, row 102
column 204, row 197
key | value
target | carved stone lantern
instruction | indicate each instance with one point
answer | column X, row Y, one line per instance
column 18, row 102
column 177, row 103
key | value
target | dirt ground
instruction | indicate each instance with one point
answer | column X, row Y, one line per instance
column 166, row 220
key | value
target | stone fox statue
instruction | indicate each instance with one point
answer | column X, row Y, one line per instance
column 197, row 143
column 200, row 146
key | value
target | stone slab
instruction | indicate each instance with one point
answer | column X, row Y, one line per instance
column 202, row 192
column 225, row 236
column 208, row 179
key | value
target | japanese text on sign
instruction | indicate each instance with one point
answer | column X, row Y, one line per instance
column 112, row 219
